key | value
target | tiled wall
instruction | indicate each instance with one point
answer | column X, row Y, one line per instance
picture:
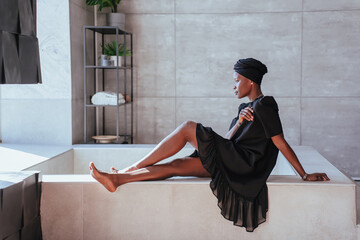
column 80, row 15
column 185, row 50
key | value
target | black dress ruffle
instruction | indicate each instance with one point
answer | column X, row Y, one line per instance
column 238, row 170
column 243, row 212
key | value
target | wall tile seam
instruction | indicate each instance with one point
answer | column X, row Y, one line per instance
column 237, row 13
column 332, row 10
column 264, row 12
column 209, row 13
column 35, row 99
column 183, row 97
column 230, row 13
column 327, row 97
column 212, row 97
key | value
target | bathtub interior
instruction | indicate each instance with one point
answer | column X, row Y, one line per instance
column 77, row 160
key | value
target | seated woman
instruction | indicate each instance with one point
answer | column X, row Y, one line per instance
column 238, row 164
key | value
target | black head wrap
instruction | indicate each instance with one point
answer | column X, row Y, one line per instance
column 251, row 69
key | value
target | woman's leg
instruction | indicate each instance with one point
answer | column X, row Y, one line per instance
column 170, row 145
column 187, row 166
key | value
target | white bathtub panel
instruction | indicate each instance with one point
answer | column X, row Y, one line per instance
column 198, row 216
column 122, row 157
column 134, row 211
column 312, row 211
column 187, row 209
column 61, row 211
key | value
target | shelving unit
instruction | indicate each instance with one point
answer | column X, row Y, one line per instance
column 120, row 37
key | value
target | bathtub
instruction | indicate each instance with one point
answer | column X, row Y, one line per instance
column 75, row 206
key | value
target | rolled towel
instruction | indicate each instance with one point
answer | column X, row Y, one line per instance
column 106, row 98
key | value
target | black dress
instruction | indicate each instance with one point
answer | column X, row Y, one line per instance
column 239, row 167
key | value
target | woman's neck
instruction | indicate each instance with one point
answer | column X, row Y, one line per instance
column 254, row 95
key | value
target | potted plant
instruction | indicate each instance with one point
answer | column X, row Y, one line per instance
column 114, row 18
column 109, row 49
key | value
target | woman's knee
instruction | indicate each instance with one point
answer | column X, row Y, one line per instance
column 188, row 128
column 176, row 165
column 188, row 167
column 188, row 124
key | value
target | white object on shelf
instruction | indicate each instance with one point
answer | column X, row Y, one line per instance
column 105, row 60
column 115, row 62
column 104, row 138
column 106, row 98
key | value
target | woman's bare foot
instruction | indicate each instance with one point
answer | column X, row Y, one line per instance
column 125, row 170
column 103, row 178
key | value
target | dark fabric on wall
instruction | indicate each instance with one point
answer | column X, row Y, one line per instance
column 9, row 16
column 28, row 56
column 19, row 54
column 30, row 205
column 20, row 194
column 27, row 23
column 32, row 230
column 11, row 58
column 2, row 76
column 11, row 209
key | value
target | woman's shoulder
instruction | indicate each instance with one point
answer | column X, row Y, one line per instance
column 266, row 102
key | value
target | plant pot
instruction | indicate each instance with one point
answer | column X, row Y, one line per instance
column 105, row 60
column 116, row 19
column 116, row 63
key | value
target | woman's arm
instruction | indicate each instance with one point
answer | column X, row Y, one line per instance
column 232, row 131
column 289, row 154
column 245, row 113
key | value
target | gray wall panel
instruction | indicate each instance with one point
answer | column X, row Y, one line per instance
column 208, row 46
column 318, row 5
column 331, row 125
column 331, row 53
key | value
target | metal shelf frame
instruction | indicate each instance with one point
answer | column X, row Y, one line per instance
column 110, row 30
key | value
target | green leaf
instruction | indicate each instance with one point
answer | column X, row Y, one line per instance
column 103, row 3
column 110, row 49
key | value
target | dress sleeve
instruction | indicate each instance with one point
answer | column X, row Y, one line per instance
column 267, row 111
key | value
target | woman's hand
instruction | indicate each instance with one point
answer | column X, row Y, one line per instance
column 317, row 177
column 247, row 114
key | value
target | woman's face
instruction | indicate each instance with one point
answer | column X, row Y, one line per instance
column 242, row 85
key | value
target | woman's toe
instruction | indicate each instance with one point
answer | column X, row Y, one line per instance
column 91, row 165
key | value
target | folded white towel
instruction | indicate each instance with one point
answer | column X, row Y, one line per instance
column 106, row 98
